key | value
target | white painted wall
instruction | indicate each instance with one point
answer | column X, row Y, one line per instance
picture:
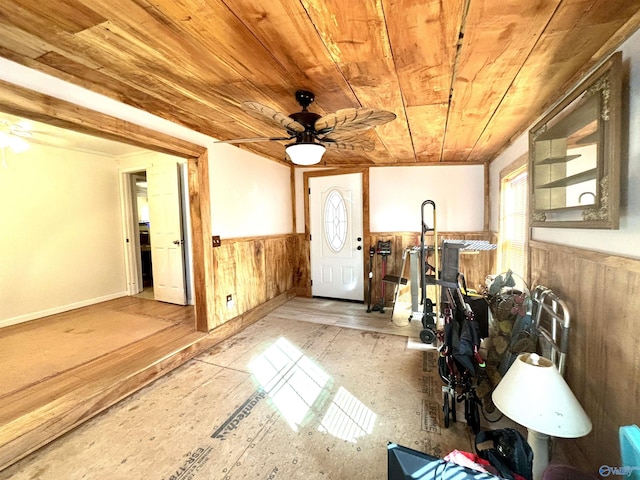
column 250, row 196
column 396, row 195
column 17, row 74
column 60, row 232
column 626, row 240
column 233, row 171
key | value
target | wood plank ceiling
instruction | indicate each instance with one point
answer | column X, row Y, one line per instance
column 462, row 76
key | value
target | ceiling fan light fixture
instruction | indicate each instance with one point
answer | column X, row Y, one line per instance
column 305, row 153
column 17, row 144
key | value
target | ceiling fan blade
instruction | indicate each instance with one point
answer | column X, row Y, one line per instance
column 278, row 119
column 347, row 136
column 21, row 133
column 349, row 119
column 254, row 140
column 365, row 145
column 36, row 132
column 37, row 141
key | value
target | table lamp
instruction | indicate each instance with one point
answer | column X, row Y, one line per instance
column 534, row 394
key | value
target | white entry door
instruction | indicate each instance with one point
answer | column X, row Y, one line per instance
column 165, row 229
column 335, row 219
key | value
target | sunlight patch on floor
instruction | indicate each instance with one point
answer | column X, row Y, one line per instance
column 290, row 378
column 295, row 383
column 347, row 418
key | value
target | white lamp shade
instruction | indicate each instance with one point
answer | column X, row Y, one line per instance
column 534, row 394
column 305, row 153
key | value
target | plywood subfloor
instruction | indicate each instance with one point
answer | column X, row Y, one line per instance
column 283, row 398
column 352, row 315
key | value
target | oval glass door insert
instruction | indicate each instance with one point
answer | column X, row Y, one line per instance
column 335, row 221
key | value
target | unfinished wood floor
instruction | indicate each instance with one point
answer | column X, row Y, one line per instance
column 309, row 391
column 70, row 366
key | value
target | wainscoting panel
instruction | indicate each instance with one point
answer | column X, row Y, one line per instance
column 302, row 265
column 474, row 266
column 253, row 271
column 603, row 361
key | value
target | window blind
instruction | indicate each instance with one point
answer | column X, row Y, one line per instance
column 513, row 223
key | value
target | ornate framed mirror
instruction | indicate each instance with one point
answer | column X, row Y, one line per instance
column 574, row 155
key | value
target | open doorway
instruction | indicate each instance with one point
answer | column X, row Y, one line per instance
column 157, row 232
column 141, row 219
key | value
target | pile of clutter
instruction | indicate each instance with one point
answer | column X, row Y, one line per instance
column 511, row 332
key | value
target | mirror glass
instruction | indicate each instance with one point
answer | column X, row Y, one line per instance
column 574, row 157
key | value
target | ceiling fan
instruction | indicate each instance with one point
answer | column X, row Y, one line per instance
column 18, row 133
column 14, row 135
column 314, row 133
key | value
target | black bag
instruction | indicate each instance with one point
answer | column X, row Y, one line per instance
column 479, row 305
column 511, row 454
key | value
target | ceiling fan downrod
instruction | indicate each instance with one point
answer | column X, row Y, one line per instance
column 305, row 117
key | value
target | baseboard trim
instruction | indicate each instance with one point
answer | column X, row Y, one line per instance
column 60, row 309
column 236, row 324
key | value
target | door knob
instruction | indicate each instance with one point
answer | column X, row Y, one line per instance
column 359, row 247
column 177, row 242
column 359, row 239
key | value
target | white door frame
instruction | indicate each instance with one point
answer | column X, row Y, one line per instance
column 366, row 243
column 131, row 239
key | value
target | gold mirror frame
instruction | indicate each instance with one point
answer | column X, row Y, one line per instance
column 574, row 155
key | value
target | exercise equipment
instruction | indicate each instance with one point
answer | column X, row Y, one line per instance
column 398, row 280
column 384, row 250
column 372, row 252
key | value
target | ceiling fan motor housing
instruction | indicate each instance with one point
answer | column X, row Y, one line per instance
column 306, row 118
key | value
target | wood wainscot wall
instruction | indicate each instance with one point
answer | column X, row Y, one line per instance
column 475, row 266
column 603, row 360
column 255, row 271
column 302, row 265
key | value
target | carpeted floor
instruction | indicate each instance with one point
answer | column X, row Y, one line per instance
column 107, row 330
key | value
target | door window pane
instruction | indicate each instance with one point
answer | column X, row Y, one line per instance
column 335, row 221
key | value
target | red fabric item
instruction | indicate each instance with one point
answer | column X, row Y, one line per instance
column 484, row 463
column 476, row 459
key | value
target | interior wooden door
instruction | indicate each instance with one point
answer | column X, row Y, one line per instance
column 165, row 229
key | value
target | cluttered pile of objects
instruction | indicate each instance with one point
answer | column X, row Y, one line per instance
column 493, row 345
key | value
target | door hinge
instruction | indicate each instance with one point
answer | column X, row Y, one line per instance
column 312, row 283
column 309, row 237
column 309, row 190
